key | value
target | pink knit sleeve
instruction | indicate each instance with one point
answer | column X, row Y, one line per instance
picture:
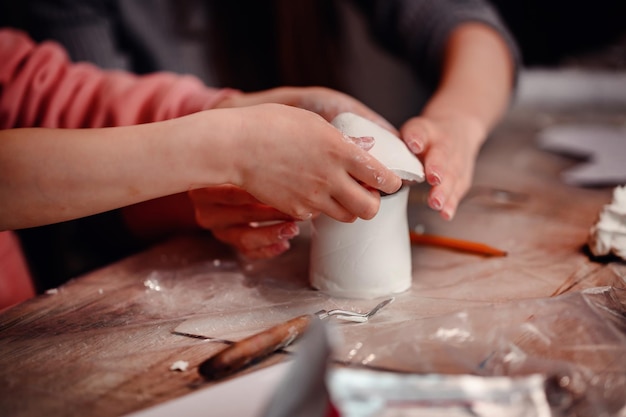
column 40, row 87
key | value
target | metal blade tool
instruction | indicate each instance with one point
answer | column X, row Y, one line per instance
column 254, row 348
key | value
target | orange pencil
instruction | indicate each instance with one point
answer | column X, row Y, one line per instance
column 456, row 244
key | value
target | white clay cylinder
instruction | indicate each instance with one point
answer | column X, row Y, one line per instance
column 368, row 258
column 364, row 259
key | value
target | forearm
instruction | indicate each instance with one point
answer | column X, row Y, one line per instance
column 52, row 175
column 477, row 77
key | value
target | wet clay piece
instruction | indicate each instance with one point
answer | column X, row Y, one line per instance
column 368, row 258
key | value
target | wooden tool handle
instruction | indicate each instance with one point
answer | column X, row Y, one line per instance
column 253, row 348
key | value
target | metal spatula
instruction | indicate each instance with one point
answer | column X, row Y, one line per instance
column 254, row 348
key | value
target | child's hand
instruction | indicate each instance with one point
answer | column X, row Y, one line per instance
column 297, row 162
column 233, row 216
column 448, row 146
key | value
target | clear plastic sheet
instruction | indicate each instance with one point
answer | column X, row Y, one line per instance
column 546, row 309
column 579, row 339
column 575, row 341
column 311, row 383
column 366, row 393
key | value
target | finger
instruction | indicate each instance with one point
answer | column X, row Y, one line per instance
column 373, row 173
column 220, row 216
column 338, row 211
column 439, row 176
column 461, row 185
column 449, row 209
column 416, row 134
column 267, row 252
column 247, row 238
column 419, row 134
column 437, row 165
column 435, row 150
column 450, row 174
column 361, row 201
column 446, row 196
column 444, row 199
column 310, row 207
column 437, row 198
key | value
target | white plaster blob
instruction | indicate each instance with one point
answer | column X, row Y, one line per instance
column 368, row 258
column 179, row 366
column 608, row 235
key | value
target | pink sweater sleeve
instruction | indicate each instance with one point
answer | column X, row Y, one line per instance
column 40, row 87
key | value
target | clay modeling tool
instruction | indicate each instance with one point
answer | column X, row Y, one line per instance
column 456, row 244
column 256, row 347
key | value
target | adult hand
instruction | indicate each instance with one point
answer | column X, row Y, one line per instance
column 473, row 93
column 326, row 102
column 235, row 217
column 448, row 146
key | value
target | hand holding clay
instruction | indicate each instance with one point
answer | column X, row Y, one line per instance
column 368, row 259
column 295, row 161
column 235, row 217
column 448, row 146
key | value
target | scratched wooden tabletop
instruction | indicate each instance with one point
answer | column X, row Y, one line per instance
column 103, row 344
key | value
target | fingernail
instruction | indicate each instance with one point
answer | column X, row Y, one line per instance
column 416, row 146
column 447, row 214
column 363, row 142
column 434, row 178
column 435, row 203
column 288, row 231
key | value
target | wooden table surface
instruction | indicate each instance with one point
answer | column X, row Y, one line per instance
column 102, row 345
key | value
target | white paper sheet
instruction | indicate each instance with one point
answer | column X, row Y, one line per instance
column 245, row 396
column 603, row 149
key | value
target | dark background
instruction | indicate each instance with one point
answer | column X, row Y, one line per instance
column 550, row 33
